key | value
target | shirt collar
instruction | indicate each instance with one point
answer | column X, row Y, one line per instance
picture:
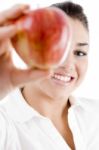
column 19, row 110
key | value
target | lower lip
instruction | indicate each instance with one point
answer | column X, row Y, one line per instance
column 60, row 82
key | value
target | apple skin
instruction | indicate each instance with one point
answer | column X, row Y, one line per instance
column 44, row 37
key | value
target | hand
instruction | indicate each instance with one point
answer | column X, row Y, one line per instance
column 10, row 76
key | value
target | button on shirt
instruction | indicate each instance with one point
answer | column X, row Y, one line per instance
column 23, row 128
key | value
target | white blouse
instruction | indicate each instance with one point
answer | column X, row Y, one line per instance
column 23, row 128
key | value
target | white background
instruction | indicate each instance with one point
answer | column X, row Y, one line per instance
column 90, row 86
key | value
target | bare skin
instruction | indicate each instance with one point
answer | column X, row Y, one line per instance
column 62, row 126
column 10, row 76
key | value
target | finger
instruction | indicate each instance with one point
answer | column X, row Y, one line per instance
column 13, row 13
column 3, row 47
column 7, row 32
column 20, row 77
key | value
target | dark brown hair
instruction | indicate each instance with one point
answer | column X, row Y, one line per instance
column 73, row 10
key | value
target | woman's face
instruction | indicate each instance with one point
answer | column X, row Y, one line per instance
column 69, row 75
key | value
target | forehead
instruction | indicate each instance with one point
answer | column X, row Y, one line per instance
column 79, row 33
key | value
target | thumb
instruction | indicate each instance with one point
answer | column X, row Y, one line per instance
column 20, row 77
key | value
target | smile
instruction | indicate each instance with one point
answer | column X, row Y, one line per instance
column 62, row 79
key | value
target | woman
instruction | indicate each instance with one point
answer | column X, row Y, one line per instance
column 43, row 115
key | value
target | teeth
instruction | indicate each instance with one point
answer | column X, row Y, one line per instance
column 62, row 78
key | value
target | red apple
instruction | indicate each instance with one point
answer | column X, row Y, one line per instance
column 43, row 38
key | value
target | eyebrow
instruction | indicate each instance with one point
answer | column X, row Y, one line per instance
column 82, row 44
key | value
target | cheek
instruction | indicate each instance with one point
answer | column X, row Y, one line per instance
column 82, row 68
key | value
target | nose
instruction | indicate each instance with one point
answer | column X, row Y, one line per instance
column 69, row 63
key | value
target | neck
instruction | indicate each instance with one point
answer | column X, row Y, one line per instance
column 46, row 105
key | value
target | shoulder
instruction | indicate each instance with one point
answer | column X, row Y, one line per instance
column 3, row 127
column 5, row 120
column 89, row 105
column 87, row 108
column 86, row 112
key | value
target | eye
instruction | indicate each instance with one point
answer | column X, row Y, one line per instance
column 80, row 53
